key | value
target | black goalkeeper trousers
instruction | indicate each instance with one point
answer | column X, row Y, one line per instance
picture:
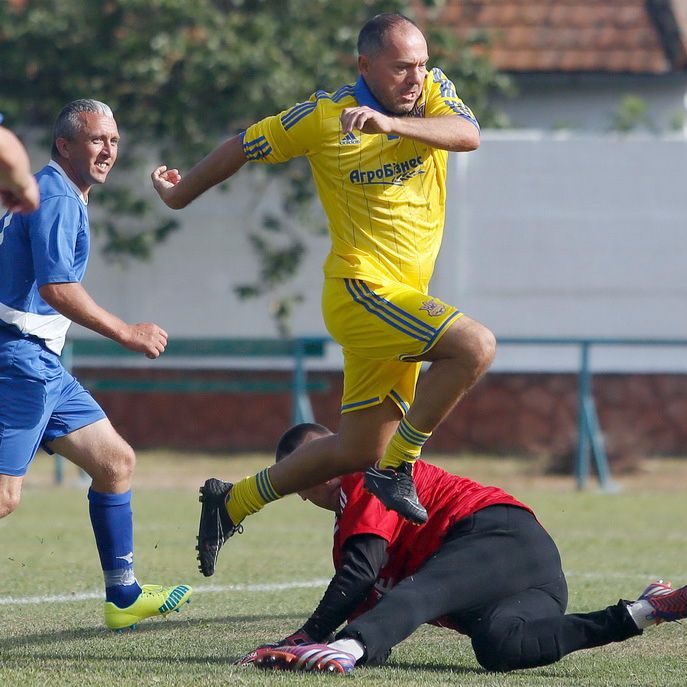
column 498, row 577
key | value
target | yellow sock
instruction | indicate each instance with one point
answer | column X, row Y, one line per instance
column 405, row 446
column 249, row 495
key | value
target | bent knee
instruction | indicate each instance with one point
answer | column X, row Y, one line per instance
column 123, row 463
column 482, row 347
column 8, row 503
column 113, row 471
column 511, row 647
column 493, row 658
column 470, row 343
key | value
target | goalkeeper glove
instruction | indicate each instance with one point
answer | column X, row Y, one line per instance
column 296, row 639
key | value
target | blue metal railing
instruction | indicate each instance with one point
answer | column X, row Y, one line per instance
column 298, row 350
column 589, row 434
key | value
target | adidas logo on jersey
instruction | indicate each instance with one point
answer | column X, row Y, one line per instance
column 349, row 139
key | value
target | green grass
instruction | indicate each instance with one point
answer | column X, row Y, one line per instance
column 611, row 545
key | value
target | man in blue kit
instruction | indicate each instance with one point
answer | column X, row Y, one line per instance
column 43, row 258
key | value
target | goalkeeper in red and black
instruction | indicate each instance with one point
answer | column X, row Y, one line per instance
column 482, row 565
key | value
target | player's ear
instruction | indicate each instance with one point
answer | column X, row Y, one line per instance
column 62, row 145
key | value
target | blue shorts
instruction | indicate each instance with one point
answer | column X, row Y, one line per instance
column 39, row 401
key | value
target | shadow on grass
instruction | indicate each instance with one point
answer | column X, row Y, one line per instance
column 157, row 625
column 17, row 647
column 433, row 667
column 131, row 653
column 547, row 672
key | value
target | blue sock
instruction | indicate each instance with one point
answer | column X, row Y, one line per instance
column 113, row 527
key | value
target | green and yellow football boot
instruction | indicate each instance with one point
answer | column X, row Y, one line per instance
column 152, row 601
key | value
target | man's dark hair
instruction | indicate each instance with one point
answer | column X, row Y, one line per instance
column 372, row 35
column 294, row 436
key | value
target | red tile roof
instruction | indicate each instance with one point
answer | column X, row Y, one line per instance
column 631, row 36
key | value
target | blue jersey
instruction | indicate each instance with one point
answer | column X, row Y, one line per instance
column 47, row 246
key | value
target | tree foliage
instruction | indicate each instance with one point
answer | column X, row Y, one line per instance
column 180, row 75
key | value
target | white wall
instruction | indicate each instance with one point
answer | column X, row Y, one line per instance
column 571, row 237
column 545, row 236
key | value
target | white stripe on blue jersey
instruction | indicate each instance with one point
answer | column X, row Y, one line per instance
column 48, row 246
column 52, row 329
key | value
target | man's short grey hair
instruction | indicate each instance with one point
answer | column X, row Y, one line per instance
column 372, row 36
column 68, row 122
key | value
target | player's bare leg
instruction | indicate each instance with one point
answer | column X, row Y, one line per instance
column 365, row 437
column 361, row 440
column 458, row 360
column 100, row 451
column 10, row 493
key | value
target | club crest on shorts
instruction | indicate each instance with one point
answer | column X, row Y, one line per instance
column 433, row 308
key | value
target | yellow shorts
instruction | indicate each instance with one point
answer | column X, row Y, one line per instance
column 379, row 327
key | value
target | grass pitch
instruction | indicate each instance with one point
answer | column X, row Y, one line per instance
column 271, row 577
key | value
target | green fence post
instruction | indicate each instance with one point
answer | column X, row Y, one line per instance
column 598, row 450
column 582, row 461
column 301, row 410
column 589, row 430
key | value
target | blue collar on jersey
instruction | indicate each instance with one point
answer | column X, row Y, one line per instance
column 364, row 96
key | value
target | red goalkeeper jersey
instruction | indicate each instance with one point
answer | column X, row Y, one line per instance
column 447, row 498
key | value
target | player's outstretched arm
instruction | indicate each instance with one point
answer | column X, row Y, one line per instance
column 73, row 301
column 362, row 559
column 177, row 191
column 18, row 188
column 446, row 132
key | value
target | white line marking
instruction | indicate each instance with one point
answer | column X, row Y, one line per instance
column 204, row 589
column 273, row 587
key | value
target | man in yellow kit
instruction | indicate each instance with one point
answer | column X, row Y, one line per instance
column 378, row 150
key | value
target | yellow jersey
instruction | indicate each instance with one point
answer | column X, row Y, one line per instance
column 384, row 195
